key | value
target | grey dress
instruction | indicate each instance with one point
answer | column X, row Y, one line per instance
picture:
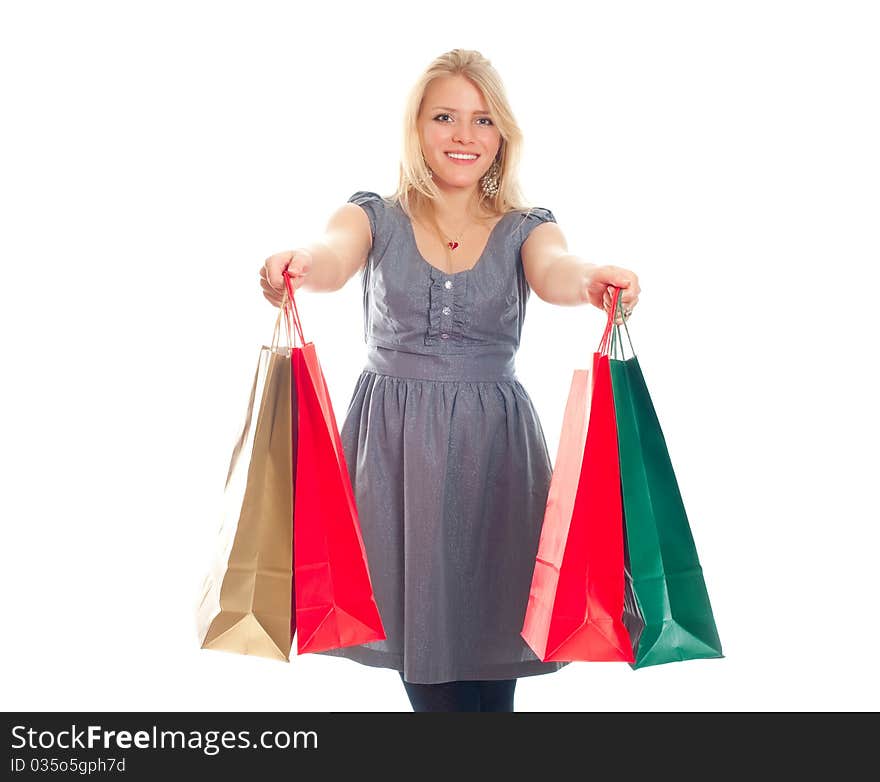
column 447, row 458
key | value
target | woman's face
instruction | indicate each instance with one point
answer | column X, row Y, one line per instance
column 455, row 118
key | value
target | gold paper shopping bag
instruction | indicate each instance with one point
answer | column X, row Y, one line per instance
column 247, row 603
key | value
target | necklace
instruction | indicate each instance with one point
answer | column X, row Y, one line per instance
column 454, row 243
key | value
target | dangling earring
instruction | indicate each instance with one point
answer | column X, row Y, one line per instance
column 427, row 168
column 489, row 182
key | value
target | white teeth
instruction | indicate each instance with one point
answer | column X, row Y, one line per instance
column 461, row 157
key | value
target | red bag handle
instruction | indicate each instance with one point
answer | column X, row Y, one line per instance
column 290, row 313
column 612, row 329
column 606, row 335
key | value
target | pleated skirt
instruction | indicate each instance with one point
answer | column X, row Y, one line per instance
column 450, row 479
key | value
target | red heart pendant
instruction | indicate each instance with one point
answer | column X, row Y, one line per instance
column 452, row 245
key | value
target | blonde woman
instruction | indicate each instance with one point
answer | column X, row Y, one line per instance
column 446, row 454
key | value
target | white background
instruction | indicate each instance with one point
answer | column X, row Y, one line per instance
column 154, row 154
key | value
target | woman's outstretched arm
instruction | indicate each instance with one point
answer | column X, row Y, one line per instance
column 326, row 264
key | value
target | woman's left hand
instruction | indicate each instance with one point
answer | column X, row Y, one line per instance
column 600, row 286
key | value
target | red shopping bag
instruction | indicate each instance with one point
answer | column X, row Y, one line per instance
column 576, row 601
column 333, row 593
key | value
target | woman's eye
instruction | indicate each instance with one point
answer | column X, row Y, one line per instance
column 446, row 115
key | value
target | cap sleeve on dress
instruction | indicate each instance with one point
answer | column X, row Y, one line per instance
column 534, row 217
column 531, row 220
column 373, row 205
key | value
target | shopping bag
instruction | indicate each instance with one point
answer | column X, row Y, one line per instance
column 667, row 579
column 246, row 600
column 576, row 601
column 333, row 593
column 292, row 561
column 633, row 620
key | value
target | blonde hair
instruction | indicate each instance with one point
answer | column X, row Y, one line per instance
column 416, row 192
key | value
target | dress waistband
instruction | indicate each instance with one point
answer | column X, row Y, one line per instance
column 474, row 367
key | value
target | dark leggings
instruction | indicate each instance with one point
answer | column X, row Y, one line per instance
column 474, row 695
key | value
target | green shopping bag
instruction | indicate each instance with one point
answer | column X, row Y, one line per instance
column 667, row 581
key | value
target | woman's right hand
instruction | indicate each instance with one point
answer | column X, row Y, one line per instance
column 298, row 264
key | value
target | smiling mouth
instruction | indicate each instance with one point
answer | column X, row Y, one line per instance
column 462, row 159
